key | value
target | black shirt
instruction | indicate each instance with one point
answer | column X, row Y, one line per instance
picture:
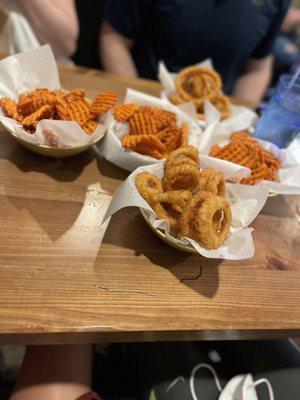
column 184, row 32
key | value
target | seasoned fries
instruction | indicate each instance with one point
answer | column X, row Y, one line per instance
column 152, row 131
column 43, row 103
column 245, row 150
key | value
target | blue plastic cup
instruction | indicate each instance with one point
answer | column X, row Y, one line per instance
column 281, row 120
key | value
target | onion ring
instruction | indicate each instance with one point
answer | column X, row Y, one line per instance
column 182, row 153
column 183, row 177
column 148, row 186
column 193, row 83
column 206, row 219
column 169, row 205
column 212, row 181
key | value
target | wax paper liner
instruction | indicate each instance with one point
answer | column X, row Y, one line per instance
column 28, row 71
column 241, row 117
column 288, row 174
column 246, row 202
column 111, row 147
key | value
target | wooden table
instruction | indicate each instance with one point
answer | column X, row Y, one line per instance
column 51, row 261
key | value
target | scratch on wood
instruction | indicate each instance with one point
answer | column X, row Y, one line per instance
column 114, row 290
column 192, row 278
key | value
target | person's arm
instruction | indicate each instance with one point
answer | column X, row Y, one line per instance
column 252, row 84
column 115, row 52
column 291, row 20
column 54, row 22
column 55, row 373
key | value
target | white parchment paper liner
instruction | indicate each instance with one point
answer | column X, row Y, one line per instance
column 28, row 71
column 111, row 147
column 288, row 174
column 241, row 117
column 246, row 202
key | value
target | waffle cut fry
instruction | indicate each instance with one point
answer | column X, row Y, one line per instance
column 124, row 111
column 44, row 103
column 30, row 122
column 142, row 124
column 145, row 144
column 103, row 103
column 90, row 126
column 10, row 109
column 245, row 150
column 152, row 131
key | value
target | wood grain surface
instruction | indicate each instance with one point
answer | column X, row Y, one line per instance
column 54, row 274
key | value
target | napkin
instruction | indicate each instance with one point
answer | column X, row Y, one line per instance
column 28, row 71
column 245, row 201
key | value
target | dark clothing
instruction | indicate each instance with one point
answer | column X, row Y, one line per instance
column 184, row 32
column 160, row 365
column 133, row 371
column 90, row 17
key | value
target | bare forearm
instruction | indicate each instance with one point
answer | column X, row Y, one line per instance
column 115, row 53
column 53, row 22
column 252, row 84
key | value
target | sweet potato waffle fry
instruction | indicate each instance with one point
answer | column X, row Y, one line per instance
column 198, row 84
column 145, row 144
column 103, row 103
column 141, row 123
column 10, row 109
column 43, row 103
column 124, row 111
column 30, row 122
column 152, row 131
column 245, row 150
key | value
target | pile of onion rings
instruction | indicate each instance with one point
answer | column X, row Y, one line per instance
column 198, row 84
column 190, row 198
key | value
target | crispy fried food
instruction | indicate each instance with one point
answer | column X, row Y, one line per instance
column 170, row 137
column 169, row 205
column 182, row 177
column 259, row 172
column 198, row 84
column 145, row 144
column 189, row 199
column 31, row 121
column 9, row 108
column 78, row 111
column 163, row 118
column 159, row 129
column 245, row 150
column 176, row 99
column 242, row 136
column 73, row 95
column 180, row 156
column 141, row 123
column 124, row 111
column 212, row 181
column 148, row 185
column 183, row 136
column 90, row 125
column 206, row 219
column 193, row 83
column 103, row 103
column 239, row 153
column 67, row 106
column 220, row 101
